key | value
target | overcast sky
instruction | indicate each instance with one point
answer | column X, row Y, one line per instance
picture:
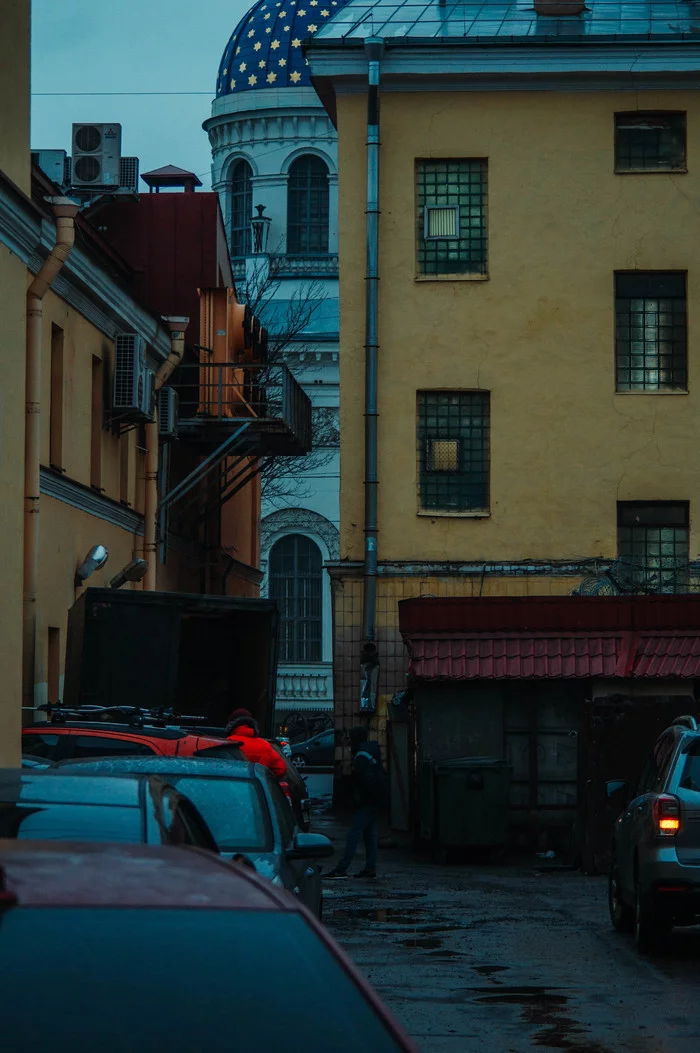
column 91, row 46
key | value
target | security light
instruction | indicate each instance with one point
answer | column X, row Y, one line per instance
column 133, row 571
column 96, row 558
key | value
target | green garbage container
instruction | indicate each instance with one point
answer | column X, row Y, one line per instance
column 464, row 802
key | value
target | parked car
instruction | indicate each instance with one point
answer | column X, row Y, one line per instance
column 316, row 752
column 57, row 739
column 245, row 810
column 111, row 934
column 35, row 762
column 50, row 805
column 654, row 877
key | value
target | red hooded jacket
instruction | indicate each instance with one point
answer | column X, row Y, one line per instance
column 257, row 750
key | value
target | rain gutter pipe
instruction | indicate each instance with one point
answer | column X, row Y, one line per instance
column 65, row 212
column 374, row 47
column 177, row 327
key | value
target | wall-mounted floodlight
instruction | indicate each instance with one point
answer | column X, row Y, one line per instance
column 133, row 571
column 96, row 558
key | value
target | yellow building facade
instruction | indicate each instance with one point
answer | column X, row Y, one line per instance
column 563, row 333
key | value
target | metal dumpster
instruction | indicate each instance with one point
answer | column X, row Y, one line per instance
column 464, row 802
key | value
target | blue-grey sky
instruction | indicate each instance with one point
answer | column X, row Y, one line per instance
column 131, row 46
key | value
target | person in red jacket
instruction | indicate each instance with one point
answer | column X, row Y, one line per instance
column 244, row 730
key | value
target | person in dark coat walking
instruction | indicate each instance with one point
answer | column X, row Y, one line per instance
column 369, row 786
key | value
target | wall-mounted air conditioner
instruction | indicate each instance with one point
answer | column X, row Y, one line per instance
column 96, row 155
column 52, row 163
column 134, row 383
column 167, row 413
column 129, row 174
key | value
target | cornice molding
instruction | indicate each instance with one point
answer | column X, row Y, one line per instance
column 288, row 520
column 85, row 499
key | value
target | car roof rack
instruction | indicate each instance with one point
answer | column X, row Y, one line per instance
column 687, row 720
column 133, row 716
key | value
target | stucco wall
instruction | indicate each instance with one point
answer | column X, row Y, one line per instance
column 539, row 334
column 14, row 91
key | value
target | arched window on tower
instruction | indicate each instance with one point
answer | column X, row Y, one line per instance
column 296, row 582
column 241, row 208
column 307, row 206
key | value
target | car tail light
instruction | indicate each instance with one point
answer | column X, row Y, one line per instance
column 667, row 815
column 285, row 788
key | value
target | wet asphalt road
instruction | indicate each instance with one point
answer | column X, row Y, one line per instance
column 510, row 960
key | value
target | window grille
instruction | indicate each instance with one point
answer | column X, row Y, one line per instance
column 296, row 579
column 241, row 208
column 651, row 337
column 451, row 222
column 652, row 542
column 307, row 206
column 453, row 450
column 650, row 142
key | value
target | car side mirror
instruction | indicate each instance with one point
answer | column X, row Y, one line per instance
column 310, row 846
column 616, row 787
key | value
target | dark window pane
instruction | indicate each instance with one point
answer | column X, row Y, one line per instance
column 296, row 582
column 118, row 968
column 233, row 809
column 650, row 142
column 70, row 822
column 650, row 332
column 40, row 745
column 97, row 746
column 241, row 208
column 654, row 556
column 453, row 450
column 307, row 206
column 460, row 184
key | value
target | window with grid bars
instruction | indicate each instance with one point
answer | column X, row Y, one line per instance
column 451, row 217
column 296, row 579
column 453, row 451
column 650, row 142
column 650, row 331
column 241, row 208
column 652, row 541
column 307, row 206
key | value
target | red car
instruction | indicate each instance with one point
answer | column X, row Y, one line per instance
column 59, row 741
column 136, row 949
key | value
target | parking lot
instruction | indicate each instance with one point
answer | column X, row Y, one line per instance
column 512, row 959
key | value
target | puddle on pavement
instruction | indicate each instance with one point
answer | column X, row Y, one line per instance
column 424, row 943
column 542, row 1007
column 396, row 915
column 489, row 970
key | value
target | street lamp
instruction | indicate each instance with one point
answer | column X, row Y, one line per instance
column 133, row 571
column 96, row 558
column 261, row 229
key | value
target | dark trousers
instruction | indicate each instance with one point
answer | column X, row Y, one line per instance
column 364, row 825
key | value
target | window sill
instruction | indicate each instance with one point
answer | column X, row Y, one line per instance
column 451, row 277
column 654, row 391
column 651, row 171
column 453, row 515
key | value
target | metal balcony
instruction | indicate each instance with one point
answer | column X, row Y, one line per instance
column 264, row 403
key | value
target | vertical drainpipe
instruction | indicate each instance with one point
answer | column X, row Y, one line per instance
column 65, row 212
column 373, row 49
column 177, row 327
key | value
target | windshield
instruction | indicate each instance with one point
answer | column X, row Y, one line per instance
column 185, row 981
column 71, row 822
column 235, row 811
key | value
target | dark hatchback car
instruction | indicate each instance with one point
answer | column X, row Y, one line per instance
column 245, row 810
column 318, row 751
column 135, row 809
column 125, row 949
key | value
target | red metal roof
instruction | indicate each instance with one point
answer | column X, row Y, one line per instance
column 668, row 656
column 515, row 656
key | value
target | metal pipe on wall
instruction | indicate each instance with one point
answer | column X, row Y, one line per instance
column 65, row 212
column 177, row 327
column 374, row 47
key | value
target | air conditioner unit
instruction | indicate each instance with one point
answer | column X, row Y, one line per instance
column 134, row 383
column 52, row 163
column 96, row 155
column 167, row 413
column 129, row 174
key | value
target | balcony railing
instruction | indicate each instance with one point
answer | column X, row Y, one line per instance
column 215, row 398
column 283, row 266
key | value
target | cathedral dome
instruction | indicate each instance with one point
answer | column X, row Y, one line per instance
column 265, row 49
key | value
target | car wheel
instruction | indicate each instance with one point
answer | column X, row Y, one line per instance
column 298, row 761
column 650, row 931
column 621, row 914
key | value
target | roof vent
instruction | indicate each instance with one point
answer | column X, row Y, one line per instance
column 559, row 8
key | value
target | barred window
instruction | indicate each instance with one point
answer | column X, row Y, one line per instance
column 453, row 451
column 451, row 217
column 650, row 334
column 307, row 206
column 241, row 208
column 652, row 542
column 650, row 142
column 296, row 578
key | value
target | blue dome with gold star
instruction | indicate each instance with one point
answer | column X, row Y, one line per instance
column 265, row 49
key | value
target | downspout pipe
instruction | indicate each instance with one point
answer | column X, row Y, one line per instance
column 65, row 212
column 177, row 327
column 374, row 47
